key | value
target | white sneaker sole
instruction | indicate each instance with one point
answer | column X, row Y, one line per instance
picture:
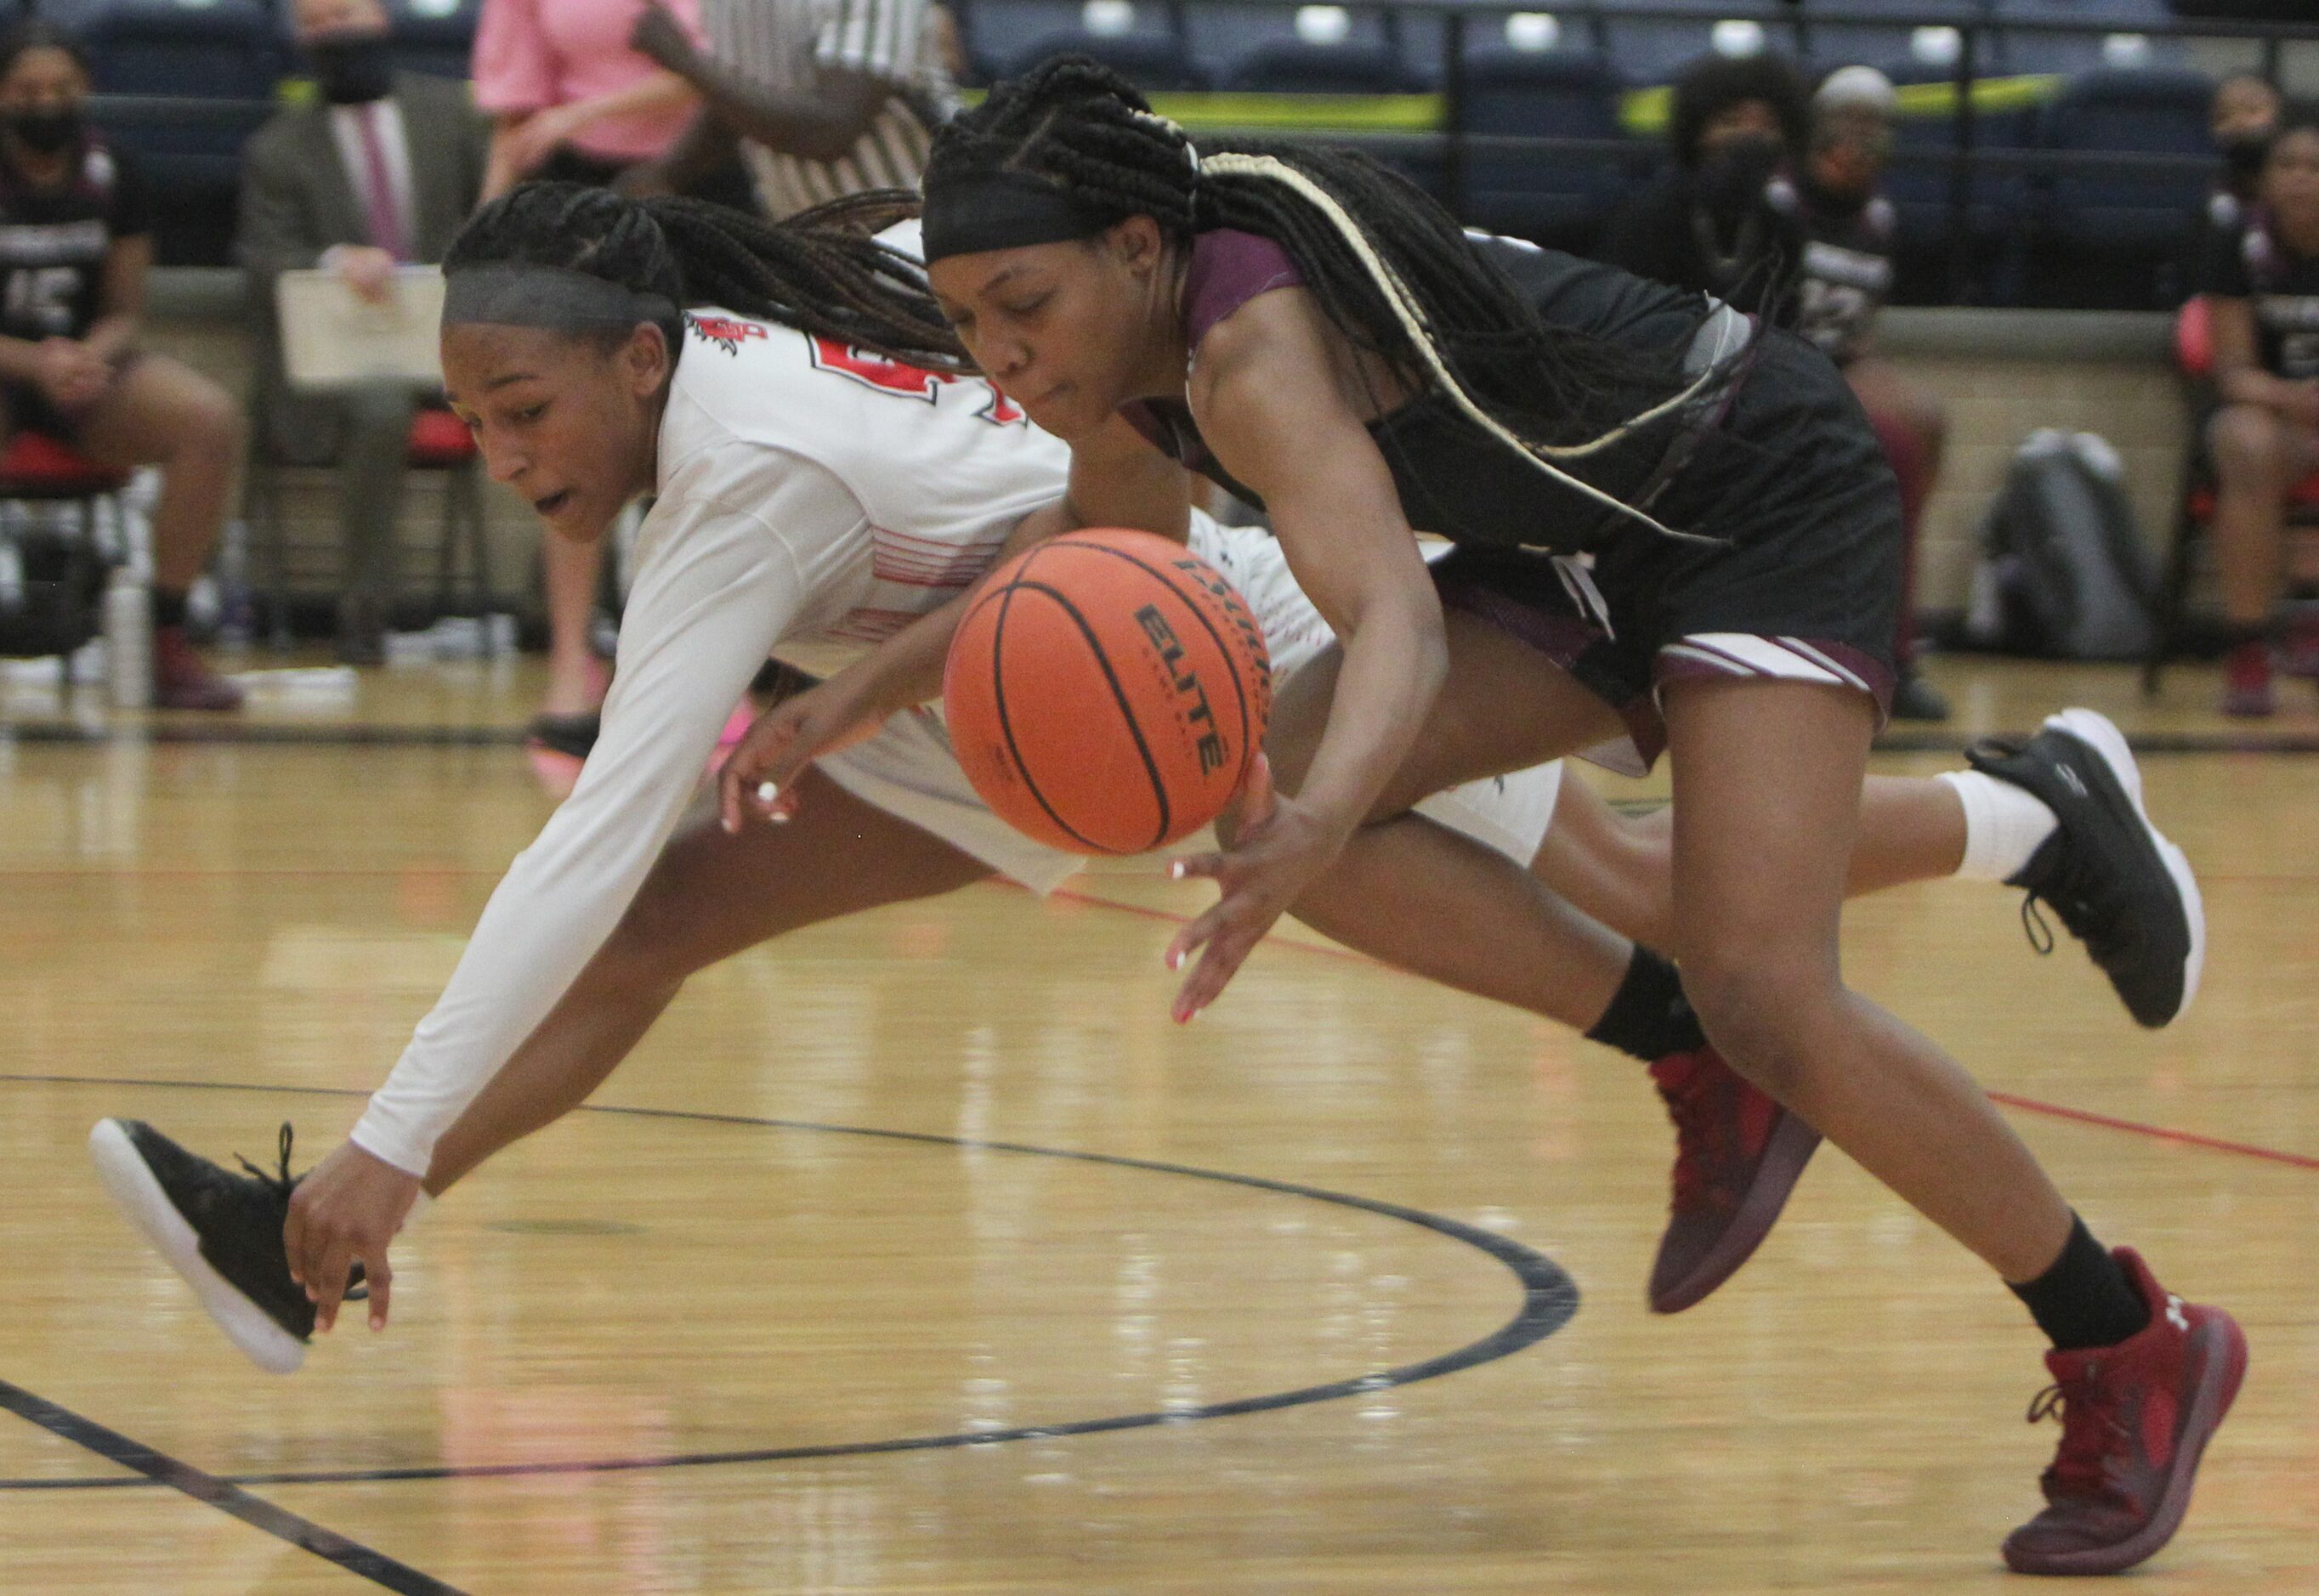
column 134, row 1191
column 2097, row 732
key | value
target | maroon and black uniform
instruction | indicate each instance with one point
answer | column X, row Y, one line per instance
column 1773, row 466
column 53, row 244
column 2282, row 288
column 1848, row 269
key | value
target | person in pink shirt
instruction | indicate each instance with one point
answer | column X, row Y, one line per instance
column 568, row 97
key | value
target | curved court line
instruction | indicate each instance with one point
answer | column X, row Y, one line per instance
column 1549, row 1299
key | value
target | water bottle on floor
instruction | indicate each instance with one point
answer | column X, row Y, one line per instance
column 128, row 641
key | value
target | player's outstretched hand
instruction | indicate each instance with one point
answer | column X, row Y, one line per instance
column 1279, row 847
column 758, row 776
column 346, row 1210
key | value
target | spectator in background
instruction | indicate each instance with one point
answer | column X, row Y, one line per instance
column 74, row 253
column 1709, row 222
column 569, row 98
column 573, row 100
column 2263, row 305
column 383, row 172
column 2243, row 116
column 1849, row 227
column 824, row 97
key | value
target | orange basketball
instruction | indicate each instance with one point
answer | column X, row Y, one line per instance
column 1106, row 692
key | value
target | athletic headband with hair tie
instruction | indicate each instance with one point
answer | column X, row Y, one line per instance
column 524, row 293
column 1005, row 210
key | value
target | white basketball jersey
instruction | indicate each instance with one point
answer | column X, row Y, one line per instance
column 942, row 467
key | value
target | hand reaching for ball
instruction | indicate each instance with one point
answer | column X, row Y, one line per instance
column 758, row 778
column 1279, row 847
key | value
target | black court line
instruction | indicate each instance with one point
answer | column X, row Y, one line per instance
column 263, row 734
column 1548, row 1300
column 266, row 735
column 160, row 1469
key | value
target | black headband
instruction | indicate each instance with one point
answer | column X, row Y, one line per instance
column 522, row 293
column 1005, row 211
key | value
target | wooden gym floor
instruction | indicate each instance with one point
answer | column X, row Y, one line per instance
column 919, row 1253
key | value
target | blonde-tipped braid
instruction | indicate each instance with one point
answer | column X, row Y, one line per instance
column 1413, row 322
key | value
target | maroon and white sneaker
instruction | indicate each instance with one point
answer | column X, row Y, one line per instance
column 182, row 679
column 2136, row 1419
column 2247, row 692
column 1737, row 1156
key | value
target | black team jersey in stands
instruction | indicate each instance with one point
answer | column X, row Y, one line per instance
column 53, row 242
column 1847, row 273
column 2283, row 289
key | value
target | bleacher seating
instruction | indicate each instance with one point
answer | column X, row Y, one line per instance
column 1156, row 61
column 1921, row 184
column 436, row 37
column 1557, row 199
column 2118, row 234
column 226, row 53
column 212, row 70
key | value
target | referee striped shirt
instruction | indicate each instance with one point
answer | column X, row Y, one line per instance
column 784, row 45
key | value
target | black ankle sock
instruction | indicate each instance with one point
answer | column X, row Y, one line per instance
column 168, row 606
column 2085, row 1299
column 1649, row 1018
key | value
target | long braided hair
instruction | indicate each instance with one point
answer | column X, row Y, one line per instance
column 820, row 272
column 1392, row 270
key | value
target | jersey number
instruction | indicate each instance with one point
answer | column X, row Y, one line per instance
column 892, row 376
column 42, row 296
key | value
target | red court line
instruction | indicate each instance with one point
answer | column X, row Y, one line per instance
column 2011, row 1100
column 2158, row 1132
column 2246, row 1149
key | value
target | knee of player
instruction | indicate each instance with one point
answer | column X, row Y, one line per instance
column 1761, row 1012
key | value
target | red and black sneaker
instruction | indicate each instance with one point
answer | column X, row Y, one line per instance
column 1737, row 1156
column 2135, row 1417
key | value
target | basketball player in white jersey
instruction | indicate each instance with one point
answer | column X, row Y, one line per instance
column 811, row 500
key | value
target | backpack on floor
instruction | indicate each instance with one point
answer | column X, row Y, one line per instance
column 2063, row 573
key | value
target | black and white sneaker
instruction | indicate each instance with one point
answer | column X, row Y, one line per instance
column 2118, row 884
column 222, row 1231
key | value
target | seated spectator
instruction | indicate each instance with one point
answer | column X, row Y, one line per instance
column 1847, row 273
column 74, row 249
column 2264, row 313
column 381, row 173
column 2243, row 117
column 1708, row 221
column 570, row 98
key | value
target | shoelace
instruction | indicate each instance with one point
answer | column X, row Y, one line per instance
column 2066, row 896
column 2034, row 926
column 2089, row 1424
column 2069, row 896
column 281, row 1183
column 356, row 1291
column 1689, row 1104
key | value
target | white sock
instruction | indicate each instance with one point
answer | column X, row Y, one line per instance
column 2003, row 826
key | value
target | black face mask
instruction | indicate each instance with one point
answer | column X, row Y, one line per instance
column 350, row 71
column 2243, row 154
column 1733, row 175
column 45, row 133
